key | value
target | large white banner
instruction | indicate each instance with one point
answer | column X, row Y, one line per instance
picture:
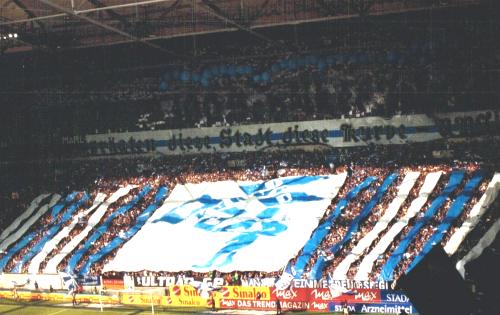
column 344, row 132
column 230, row 225
column 347, row 132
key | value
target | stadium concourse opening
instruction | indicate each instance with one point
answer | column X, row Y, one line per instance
column 248, row 157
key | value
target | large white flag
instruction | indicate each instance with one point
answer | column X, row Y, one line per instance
column 230, row 225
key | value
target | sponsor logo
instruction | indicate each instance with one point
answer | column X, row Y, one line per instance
column 224, row 292
column 250, row 293
column 394, row 297
column 366, row 296
column 176, row 290
column 323, row 295
column 228, row 303
column 189, row 291
column 285, row 294
column 319, row 306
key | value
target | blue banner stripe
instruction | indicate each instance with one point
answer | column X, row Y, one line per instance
column 51, row 232
column 28, row 237
column 73, row 261
column 396, row 256
column 354, row 226
column 161, row 194
column 454, row 212
column 323, row 229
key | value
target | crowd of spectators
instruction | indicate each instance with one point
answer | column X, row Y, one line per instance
column 40, row 228
column 381, row 67
column 429, row 229
column 106, row 175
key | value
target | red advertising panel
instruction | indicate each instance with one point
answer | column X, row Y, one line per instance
column 295, row 299
column 364, row 296
column 114, row 284
column 290, row 294
column 263, row 305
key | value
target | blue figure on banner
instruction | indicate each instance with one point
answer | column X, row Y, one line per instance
column 230, row 215
column 195, row 77
column 321, row 64
column 231, row 71
column 265, row 77
column 185, row 76
column 223, row 69
column 283, row 64
column 163, row 86
column 330, row 60
column 240, row 70
column 206, row 73
column 176, row 75
column 205, row 82
column 249, row 69
column 166, row 76
column 215, row 71
column 392, row 56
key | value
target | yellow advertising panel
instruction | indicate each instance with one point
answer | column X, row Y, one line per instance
column 140, row 299
column 187, row 301
column 246, row 293
column 58, row 297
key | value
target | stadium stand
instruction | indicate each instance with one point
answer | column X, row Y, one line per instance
column 342, row 153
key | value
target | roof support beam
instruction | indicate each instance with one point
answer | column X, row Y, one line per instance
column 260, row 12
column 78, row 12
column 112, row 14
column 170, row 9
column 215, row 11
column 106, row 27
column 28, row 12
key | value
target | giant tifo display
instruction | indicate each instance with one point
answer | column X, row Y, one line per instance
column 314, row 237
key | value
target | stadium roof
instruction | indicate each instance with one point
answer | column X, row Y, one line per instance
column 86, row 23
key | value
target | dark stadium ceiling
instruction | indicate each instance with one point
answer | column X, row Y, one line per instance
column 66, row 24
